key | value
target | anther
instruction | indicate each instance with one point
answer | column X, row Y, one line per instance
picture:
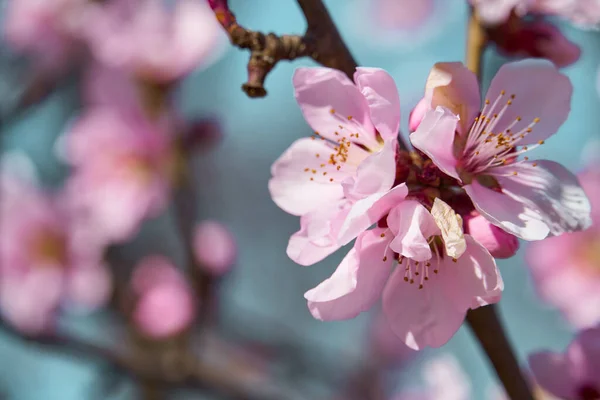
column 332, row 111
column 536, row 120
column 382, row 235
column 384, row 258
column 349, row 117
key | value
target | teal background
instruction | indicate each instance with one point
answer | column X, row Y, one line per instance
column 233, row 188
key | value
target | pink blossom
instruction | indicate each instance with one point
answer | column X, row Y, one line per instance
column 44, row 29
column 340, row 181
column 499, row 243
column 538, row 38
column 526, row 103
column 572, row 375
column 214, row 247
column 441, row 274
column 47, row 259
column 123, row 168
column 153, row 40
column 566, row 268
column 402, row 14
column 165, row 301
column 585, row 13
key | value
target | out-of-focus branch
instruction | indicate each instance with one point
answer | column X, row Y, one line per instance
column 488, row 329
column 321, row 41
column 477, row 40
column 194, row 373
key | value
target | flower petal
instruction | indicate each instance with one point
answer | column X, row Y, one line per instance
column 420, row 317
column 551, row 190
column 375, row 174
column 474, row 277
column 329, row 99
column 510, row 214
column 412, row 225
column 451, row 228
column 453, row 86
column 368, row 211
column 357, row 282
column 551, row 372
column 381, row 93
column 540, row 90
column 291, row 187
column 435, row 137
column 317, row 236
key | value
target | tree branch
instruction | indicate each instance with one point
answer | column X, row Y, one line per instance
column 477, row 41
column 196, row 374
column 322, row 42
column 488, row 329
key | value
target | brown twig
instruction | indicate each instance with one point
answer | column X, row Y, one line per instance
column 321, row 41
column 486, row 326
column 221, row 381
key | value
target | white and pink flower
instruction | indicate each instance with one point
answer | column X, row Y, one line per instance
column 566, row 269
column 123, row 169
column 441, row 274
column 480, row 145
column 48, row 258
column 341, row 180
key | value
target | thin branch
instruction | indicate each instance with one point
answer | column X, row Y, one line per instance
column 221, row 381
column 488, row 329
column 321, row 41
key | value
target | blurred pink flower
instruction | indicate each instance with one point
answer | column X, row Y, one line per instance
column 566, row 269
column 453, row 273
column 165, row 302
column 214, row 247
column 539, row 39
column 45, row 29
column 47, row 259
column 339, row 182
column 402, row 14
column 499, row 243
column 526, row 103
column 572, row 375
column 123, row 169
column 153, row 39
column 585, row 13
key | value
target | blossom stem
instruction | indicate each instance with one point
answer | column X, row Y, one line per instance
column 476, row 43
column 488, row 329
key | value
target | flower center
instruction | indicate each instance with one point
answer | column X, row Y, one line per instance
column 419, row 270
column 49, row 248
column 486, row 147
column 346, row 151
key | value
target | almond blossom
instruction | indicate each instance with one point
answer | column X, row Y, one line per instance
column 123, row 169
column 572, row 375
column 48, row 259
column 573, row 283
column 46, row 30
column 441, row 274
column 339, row 181
column 152, row 39
column 480, row 147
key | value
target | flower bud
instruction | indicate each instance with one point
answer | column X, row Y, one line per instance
column 499, row 243
column 165, row 303
column 214, row 247
column 417, row 114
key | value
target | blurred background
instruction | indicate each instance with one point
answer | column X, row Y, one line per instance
column 259, row 302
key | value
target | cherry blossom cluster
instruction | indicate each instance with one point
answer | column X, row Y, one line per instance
column 427, row 221
column 127, row 149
